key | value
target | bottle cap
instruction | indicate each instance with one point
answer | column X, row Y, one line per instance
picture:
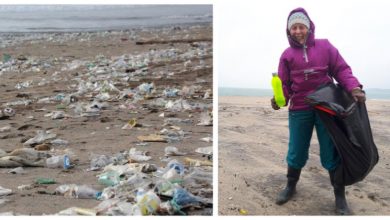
column 98, row 195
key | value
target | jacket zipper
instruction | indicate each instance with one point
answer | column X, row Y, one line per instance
column 305, row 53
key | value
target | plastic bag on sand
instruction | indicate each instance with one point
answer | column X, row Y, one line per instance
column 99, row 161
column 123, row 208
column 110, row 178
column 198, row 178
column 165, row 187
column 197, row 163
column 106, row 205
column 176, row 165
column 206, row 119
column 178, row 105
column 59, row 142
column 182, row 199
column 207, row 139
column 29, row 154
column 172, row 176
column 146, row 88
column 173, row 151
column 8, row 112
column 77, row 211
column 138, row 156
column 205, row 150
column 39, row 138
column 4, row 191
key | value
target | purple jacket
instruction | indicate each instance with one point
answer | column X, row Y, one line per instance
column 302, row 68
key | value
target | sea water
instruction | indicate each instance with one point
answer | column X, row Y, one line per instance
column 225, row 91
column 77, row 18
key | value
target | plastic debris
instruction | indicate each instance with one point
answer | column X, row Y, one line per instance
column 5, row 129
column 152, row 138
column 75, row 91
column 18, row 170
column 61, row 161
column 138, row 156
column 99, row 161
column 173, row 151
column 196, row 163
column 39, row 138
column 148, row 202
column 243, row 211
column 45, row 181
column 110, row 178
column 206, row 119
column 205, row 150
column 182, row 199
column 4, row 191
column 77, row 191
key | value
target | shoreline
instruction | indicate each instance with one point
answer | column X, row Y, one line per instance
column 12, row 39
column 135, row 28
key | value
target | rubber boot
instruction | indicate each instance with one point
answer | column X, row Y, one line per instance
column 339, row 193
column 292, row 179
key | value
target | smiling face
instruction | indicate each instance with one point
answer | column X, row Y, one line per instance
column 299, row 32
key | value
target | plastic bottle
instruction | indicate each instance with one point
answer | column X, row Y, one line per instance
column 77, row 191
column 61, row 161
column 278, row 90
column 85, row 192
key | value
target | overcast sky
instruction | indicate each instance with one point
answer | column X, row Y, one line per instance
column 251, row 37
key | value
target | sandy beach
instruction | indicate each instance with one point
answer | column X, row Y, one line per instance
column 144, row 81
column 252, row 148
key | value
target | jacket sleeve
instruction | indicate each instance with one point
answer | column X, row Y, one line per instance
column 284, row 75
column 341, row 71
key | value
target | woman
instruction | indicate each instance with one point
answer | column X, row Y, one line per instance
column 305, row 65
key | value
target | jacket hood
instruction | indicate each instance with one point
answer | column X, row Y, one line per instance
column 310, row 38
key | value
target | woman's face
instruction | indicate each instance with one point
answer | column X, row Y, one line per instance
column 299, row 32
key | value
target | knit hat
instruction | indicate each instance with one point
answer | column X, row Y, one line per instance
column 298, row 17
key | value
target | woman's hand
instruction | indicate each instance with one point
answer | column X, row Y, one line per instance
column 273, row 104
column 358, row 94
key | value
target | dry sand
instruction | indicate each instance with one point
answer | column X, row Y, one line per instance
column 103, row 134
column 252, row 147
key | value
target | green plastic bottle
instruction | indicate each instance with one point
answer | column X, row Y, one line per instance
column 278, row 90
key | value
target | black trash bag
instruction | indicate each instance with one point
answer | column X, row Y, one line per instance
column 349, row 127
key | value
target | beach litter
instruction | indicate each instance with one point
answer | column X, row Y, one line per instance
column 164, row 93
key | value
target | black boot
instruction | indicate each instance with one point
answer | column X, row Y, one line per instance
column 339, row 193
column 289, row 191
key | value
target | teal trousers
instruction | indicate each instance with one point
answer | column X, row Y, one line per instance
column 301, row 125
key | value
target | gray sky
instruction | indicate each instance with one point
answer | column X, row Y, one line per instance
column 250, row 37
